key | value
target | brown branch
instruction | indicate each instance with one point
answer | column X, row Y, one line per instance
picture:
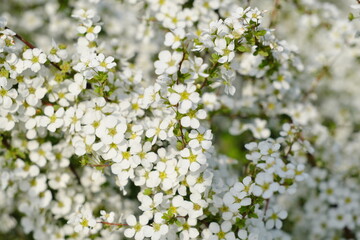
column 314, row 85
column 99, row 165
column 114, row 224
column 274, row 13
column 27, row 43
column 182, row 135
column 181, row 129
column 204, row 83
column 248, row 3
column 181, row 62
column 266, row 206
column 5, row 142
column 211, row 71
column 73, row 170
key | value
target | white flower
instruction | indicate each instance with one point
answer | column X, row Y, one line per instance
column 142, row 154
column 107, row 217
column 32, row 90
column 102, row 64
column 6, row 39
column 138, row 230
column 168, row 62
column 33, row 59
column 78, row 85
column 7, row 97
column 200, row 137
column 228, row 76
column 83, row 14
column 82, row 220
column 265, row 185
column 236, row 197
column 242, row 234
column 57, row 53
column 218, row 28
column 253, row 15
column 357, row 6
column 34, row 186
column 196, row 159
column 222, row 231
column 149, row 204
column 259, row 129
column 198, row 204
column 89, row 30
column 58, row 180
column 226, row 51
column 188, row 229
column 157, row 129
column 40, row 154
column 269, row 148
column 72, row 119
column 167, row 174
column 300, row 174
column 160, row 228
column 174, row 38
column 192, row 118
column 274, row 216
column 184, row 95
column 83, row 145
column 52, row 120
column 210, row 101
column 111, row 129
column 196, row 67
column 62, row 206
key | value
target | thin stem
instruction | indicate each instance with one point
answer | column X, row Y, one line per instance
column 99, row 165
column 181, row 62
column 27, row 43
column 211, row 71
column 266, row 206
column 114, row 224
column 181, row 128
column 248, row 3
column 182, row 136
column 274, row 13
column 73, row 170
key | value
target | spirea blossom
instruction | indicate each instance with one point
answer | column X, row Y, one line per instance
column 179, row 119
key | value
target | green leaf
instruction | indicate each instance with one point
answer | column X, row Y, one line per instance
column 263, row 53
column 148, row 191
column 253, row 215
column 260, row 33
column 244, row 48
column 178, row 223
column 351, row 17
column 240, row 223
column 215, row 56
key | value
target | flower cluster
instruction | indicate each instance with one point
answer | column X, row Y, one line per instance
column 169, row 120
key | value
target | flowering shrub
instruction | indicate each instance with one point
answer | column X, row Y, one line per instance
column 162, row 119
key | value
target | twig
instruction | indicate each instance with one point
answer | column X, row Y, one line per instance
column 180, row 64
column 274, row 13
column 248, row 3
column 73, row 170
column 99, row 165
column 5, row 143
column 114, row 224
column 27, row 43
column 181, row 128
column 266, row 206
column 314, row 85
column 182, row 136
column 211, row 71
column 290, row 148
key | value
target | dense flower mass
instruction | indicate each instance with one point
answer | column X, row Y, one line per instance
column 179, row 119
